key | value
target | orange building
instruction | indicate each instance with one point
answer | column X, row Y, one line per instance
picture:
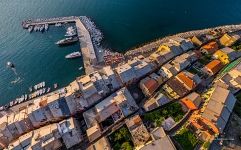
column 210, row 48
column 213, row 67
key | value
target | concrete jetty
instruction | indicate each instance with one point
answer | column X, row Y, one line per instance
column 33, row 22
column 87, row 48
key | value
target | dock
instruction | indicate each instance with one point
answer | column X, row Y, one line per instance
column 87, row 47
column 50, row 21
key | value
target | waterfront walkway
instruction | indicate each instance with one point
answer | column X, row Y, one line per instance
column 86, row 44
column 149, row 48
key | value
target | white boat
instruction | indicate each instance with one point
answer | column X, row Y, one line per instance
column 30, row 29
column 46, row 27
column 35, row 28
column 48, row 90
column 41, row 28
column 40, row 92
column 55, row 85
column 44, row 90
column 30, row 89
column 58, row 24
column 73, row 55
column 70, row 32
column 80, row 68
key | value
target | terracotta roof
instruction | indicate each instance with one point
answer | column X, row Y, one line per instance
column 209, row 124
column 211, row 47
column 196, row 125
column 188, row 103
column 186, row 80
column 214, row 66
column 151, row 85
column 177, row 86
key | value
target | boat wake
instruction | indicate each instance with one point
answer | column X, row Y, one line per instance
column 17, row 80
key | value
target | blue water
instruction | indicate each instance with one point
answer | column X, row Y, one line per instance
column 125, row 24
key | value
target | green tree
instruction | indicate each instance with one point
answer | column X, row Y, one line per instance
column 126, row 146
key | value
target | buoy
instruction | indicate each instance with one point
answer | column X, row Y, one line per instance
column 11, row 65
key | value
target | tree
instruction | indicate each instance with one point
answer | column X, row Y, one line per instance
column 126, row 146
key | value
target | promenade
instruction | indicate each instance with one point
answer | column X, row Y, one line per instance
column 86, row 47
column 148, row 48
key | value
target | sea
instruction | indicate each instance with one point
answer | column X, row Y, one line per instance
column 124, row 23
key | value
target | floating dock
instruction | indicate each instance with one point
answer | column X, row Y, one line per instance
column 86, row 44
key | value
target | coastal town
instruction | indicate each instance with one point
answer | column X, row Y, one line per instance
column 179, row 92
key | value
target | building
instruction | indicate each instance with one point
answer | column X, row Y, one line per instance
column 93, row 132
column 143, row 68
column 219, row 108
column 233, row 79
column 158, row 58
column 189, row 80
column 167, row 71
column 156, row 101
column 160, row 141
column 88, row 89
column 209, row 48
column 166, row 51
column 99, row 83
column 6, row 136
column 175, row 88
column 228, row 40
column 139, row 133
column 110, row 78
column 148, row 86
column 112, row 109
column 49, row 137
column 213, row 67
column 226, row 55
column 178, row 64
column 197, row 41
column 201, row 39
column 126, row 73
column 191, row 101
column 185, row 44
column 101, row 144
column 168, row 123
column 182, row 84
column 158, row 78
column 173, row 47
column 70, row 132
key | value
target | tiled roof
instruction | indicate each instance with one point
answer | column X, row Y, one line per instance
column 177, row 86
column 211, row 47
column 188, row 103
column 214, row 66
column 186, row 80
column 151, row 85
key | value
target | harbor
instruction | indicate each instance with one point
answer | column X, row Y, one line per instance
column 89, row 38
column 88, row 35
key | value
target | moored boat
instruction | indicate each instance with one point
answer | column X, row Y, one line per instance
column 67, row 41
column 73, row 55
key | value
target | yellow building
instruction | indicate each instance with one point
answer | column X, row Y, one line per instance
column 196, row 41
column 223, row 57
column 226, row 55
column 163, row 48
column 228, row 40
